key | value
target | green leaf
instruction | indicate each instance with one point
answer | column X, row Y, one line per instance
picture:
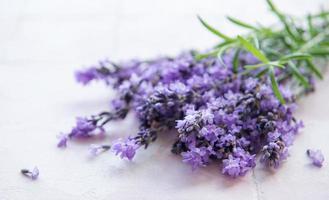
column 257, row 53
column 321, row 15
column 276, row 64
column 253, row 67
column 284, row 20
column 310, row 26
column 272, row 6
column 213, row 30
column 222, row 50
column 324, row 43
column 256, row 41
column 313, row 68
column 242, row 24
column 236, row 60
column 270, row 51
column 275, row 86
column 261, row 73
column 319, row 51
column 206, row 55
column 224, row 44
column 295, row 56
column 298, row 75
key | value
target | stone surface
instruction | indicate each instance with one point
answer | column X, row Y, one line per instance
column 43, row 42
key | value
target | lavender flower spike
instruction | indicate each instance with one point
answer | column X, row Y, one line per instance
column 34, row 174
column 126, row 149
column 316, row 156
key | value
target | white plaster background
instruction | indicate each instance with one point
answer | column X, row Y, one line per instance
column 42, row 42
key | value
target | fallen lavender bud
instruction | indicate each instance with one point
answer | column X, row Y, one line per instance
column 95, row 149
column 316, row 156
column 34, row 174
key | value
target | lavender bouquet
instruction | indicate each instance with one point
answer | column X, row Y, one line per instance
column 228, row 105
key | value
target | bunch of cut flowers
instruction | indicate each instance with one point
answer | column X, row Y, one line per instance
column 229, row 105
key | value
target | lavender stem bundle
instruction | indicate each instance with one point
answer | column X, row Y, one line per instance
column 228, row 105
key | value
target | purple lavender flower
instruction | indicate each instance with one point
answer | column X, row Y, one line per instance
column 86, row 76
column 196, row 157
column 126, row 149
column 102, row 71
column 190, row 122
column 273, row 154
column 250, row 84
column 34, row 174
column 218, row 115
column 238, row 163
column 83, row 128
column 211, row 133
column 316, row 156
column 231, row 166
column 63, row 138
column 207, row 116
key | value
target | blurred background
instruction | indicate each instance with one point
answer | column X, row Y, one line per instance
column 42, row 43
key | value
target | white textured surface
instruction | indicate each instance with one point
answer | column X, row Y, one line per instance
column 43, row 42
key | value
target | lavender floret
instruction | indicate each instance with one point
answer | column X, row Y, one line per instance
column 126, row 149
column 33, row 174
column 95, row 149
column 316, row 156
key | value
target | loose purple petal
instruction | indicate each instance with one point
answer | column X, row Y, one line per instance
column 34, row 174
column 63, row 138
column 316, row 156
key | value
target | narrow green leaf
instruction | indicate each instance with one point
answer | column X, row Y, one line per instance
column 256, row 41
column 236, row 60
column 310, row 26
column 271, row 51
column 295, row 56
column 257, row 53
column 261, row 73
column 276, row 64
column 275, row 86
column 284, row 20
column 242, row 24
column 319, row 51
column 298, row 75
column 201, row 56
column 221, row 51
column 213, row 30
column 324, row 43
column 223, row 44
column 313, row 68
column 205, row 55
column 321, row 15
column 253, row 67
column 272, row 6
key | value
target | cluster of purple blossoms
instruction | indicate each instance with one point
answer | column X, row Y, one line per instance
column 219, row 115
